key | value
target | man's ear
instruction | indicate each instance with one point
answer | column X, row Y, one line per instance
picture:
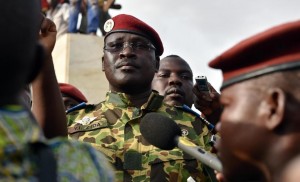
column 276, row 101
column 157, row 62
column 37, row 63
column 103, row 69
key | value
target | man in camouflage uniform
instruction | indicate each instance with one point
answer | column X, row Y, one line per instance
column 174, row 80
column 131, row 58
column 25, row 153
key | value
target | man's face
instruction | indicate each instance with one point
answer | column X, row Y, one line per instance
column 174, row 80
column 243, row 136
column 131, row 69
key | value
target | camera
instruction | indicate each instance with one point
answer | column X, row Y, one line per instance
column 202, row 83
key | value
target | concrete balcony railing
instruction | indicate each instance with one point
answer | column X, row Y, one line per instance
column 77, row 60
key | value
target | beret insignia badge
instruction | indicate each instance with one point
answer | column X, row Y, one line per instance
column 109, row 25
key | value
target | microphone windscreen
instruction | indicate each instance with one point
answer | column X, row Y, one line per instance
column 159, row 130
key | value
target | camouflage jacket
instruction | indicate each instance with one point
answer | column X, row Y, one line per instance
column 112, row 127
column 19, row 158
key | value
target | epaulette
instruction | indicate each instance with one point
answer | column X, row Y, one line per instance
column 154, row 102
column 82, row 105
column 187, row 109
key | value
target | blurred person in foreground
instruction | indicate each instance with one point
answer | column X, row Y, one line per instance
column 290, row 172
column 259, row 125
column 26, row 155
column 131, row 58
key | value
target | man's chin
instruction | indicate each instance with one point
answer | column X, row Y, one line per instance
column 237, row 170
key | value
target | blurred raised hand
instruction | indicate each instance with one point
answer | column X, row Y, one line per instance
column 47, row 34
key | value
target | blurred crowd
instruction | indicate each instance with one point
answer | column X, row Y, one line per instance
column 65, row 15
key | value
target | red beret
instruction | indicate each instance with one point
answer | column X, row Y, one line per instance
column 72, row 91
column 275, row 49
column 130, row 24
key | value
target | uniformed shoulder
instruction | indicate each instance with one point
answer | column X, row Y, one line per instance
column 80, row 111
column 81, row 106
column 177, row 113
column 187, row 109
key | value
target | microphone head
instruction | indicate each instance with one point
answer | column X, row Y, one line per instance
column 159, row 130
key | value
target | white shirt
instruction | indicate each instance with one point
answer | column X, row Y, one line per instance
column 60, row 16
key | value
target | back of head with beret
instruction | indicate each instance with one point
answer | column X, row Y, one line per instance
column 72, row 91
column 130, row 24
column 275, row 49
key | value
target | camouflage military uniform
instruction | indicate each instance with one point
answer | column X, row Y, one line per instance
column 112, row 127
column 74, row 161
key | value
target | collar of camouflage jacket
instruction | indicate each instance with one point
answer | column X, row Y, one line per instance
column 121, row 100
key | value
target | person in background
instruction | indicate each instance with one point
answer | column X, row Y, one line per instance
column 71, row 95
column 92, row 10
column 104, row 6
column 59, row 12
column 174, row 80
column 131, row 58
column 260, row 94
column 44, row 6
column 26, row 155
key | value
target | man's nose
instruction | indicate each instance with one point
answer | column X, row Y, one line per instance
column 175, row 79
column 127, row 50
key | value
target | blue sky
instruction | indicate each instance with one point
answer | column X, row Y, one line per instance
column 199, row 30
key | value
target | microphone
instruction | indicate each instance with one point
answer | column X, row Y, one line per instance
column 165, row 134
